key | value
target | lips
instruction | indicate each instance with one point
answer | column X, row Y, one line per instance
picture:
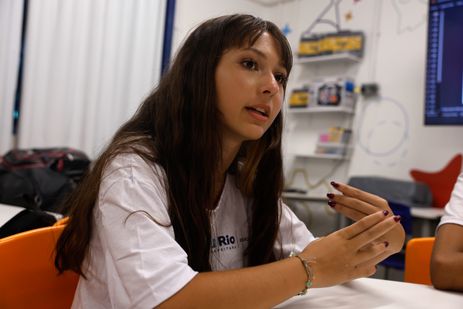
column 262, row 110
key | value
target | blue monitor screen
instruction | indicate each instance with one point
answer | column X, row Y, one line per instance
column 444, row 67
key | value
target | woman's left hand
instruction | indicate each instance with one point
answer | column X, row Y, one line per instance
column 356, row 204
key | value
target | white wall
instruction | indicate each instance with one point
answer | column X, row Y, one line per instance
column 189, row 14
column 391, row 137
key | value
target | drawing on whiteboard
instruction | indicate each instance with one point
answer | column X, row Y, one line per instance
column 412, row 21
column 333, row 5
column 383, row 139
column 286, row 29
column 348, row 16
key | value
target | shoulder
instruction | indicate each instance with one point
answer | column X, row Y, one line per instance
column 131, row 184
column 131, row 168
column 454, row 208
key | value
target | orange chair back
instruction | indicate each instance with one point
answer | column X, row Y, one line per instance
column 28, row 278
column 441, row 182
column 418, row 260
column 62, row 221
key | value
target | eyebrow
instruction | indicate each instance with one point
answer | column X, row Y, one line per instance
column 263, row 55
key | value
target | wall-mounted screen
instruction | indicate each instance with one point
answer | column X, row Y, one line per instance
column 444, row 67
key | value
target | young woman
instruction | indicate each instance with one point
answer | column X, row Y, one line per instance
column 183, row 209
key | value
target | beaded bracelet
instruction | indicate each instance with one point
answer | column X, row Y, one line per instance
column 309, row 272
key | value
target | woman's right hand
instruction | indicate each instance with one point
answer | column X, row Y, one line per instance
column 351, row 252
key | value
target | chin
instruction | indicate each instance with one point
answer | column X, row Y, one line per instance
column 255, row 133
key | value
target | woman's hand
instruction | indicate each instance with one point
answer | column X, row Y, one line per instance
column 356, row 204
column 351, row 252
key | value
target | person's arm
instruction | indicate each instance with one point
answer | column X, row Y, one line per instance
column 338, row 257
column 447, row 258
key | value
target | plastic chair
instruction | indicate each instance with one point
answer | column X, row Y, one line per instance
column 397, row 261
column 441, row 182
column 62, row 221
column 418, row 260
column 28, row 278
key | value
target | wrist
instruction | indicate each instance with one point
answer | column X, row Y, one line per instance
column 307, row 264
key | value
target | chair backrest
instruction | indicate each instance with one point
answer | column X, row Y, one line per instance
column 28, row 278
column 418, row 260
column 62, row 221
column 441, row 182
column 406, row 217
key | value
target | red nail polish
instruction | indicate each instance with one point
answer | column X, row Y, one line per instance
column 385, row 212
column 330, row 195
column 332, row 203
column 396, row 218
column 334, row 184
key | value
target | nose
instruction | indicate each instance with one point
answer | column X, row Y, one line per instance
column 269, row 85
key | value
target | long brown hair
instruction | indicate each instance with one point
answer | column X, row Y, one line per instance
column 177, row 127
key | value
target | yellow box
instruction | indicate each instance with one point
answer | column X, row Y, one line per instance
column 299, row 98
column 309, row 47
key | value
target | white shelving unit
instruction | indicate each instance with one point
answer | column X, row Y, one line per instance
column 304, row 197
column 322, row 156
column 321, row 109
column 333, row 163
column 345, row 57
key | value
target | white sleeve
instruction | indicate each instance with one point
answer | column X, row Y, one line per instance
column 454, row 208
column 148, row 262
column 293, row 235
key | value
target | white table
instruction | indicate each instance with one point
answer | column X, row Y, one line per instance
column 375, row 293
column 8, row 211
column 428, row 215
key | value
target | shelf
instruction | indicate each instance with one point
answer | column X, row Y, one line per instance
column 321, row 109
column 323, row 156
column 344, row 57
column 269, row 2
column 333, row 145
column 304, row 197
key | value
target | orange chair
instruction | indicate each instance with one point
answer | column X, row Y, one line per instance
column 440, row 183
column 28, row 278
column 62, row 221
column 418, row 260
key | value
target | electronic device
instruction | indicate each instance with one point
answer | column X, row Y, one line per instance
column 444, row 66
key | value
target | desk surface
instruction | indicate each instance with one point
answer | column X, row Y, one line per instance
column 375, row 293
column 7, row 212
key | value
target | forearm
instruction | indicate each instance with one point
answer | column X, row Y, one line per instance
column 447, row 258
column 447, row 271
column 254, row 287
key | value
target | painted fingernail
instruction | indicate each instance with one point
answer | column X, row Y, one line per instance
column 385, row 212
column 332, row 203
column 386, row 244
column 334, row 184
column 330, row 195
column 396, row 218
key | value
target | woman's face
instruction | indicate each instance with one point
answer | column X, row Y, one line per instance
column 249, row 84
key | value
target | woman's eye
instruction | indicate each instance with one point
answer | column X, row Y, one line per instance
column 249, row 64
column 281, row 79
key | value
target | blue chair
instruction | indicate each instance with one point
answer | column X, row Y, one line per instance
column 397, row 261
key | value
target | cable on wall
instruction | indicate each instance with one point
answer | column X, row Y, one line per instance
column 17, row 100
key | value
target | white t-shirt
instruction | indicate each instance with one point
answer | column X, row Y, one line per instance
column 135, row 262
column 454, row 208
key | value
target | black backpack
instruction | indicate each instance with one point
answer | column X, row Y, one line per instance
column 39, row 179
